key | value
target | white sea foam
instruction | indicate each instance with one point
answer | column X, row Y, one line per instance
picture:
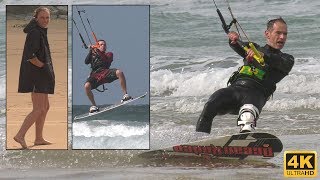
column 311, row 103
column 166, row 82
column 305, row 84
column 113, row 130
column 189, row 90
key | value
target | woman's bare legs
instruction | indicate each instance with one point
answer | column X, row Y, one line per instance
column 39, row 140
column 39, row 111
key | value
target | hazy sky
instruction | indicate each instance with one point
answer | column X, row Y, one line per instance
column 126, row 31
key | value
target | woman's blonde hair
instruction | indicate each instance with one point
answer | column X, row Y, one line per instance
column 39, row 9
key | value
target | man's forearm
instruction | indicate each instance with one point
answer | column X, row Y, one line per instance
column 238, row 49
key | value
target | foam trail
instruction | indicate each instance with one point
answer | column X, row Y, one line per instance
column 113, row 130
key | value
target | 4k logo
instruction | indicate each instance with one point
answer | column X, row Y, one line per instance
column 300, row 164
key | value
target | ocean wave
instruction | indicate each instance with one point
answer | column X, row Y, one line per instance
column 109, row 130
column 304, row 84
column 292, row 103
column 199, row 83
column 119, row 142
column 194, row 105
column 166, row 82
column 104, row 134
column 187, row 92
column 179, row 105
column 193, row 62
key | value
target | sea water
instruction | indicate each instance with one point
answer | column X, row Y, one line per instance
column 126, row 127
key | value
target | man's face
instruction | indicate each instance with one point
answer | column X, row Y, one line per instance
column 102, row 46
column 277, row 36
column 43, row 19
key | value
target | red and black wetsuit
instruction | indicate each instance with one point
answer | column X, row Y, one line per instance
column 100, row 64
column 246, row 89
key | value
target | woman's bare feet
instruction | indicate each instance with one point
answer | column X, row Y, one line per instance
column 21, row 141
column 41, row 142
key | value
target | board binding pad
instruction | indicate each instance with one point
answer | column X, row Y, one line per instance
column 108, row 108
column 249, row 146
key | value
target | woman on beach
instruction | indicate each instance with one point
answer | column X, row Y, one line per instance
column 36, row 75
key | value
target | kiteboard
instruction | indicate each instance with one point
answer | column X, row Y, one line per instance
column 255, row 146
column 108, row 108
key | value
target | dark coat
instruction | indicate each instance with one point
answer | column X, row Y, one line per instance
column 33, row 78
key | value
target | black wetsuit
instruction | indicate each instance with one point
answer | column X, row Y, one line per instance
column 245, row 89
column 33, row 78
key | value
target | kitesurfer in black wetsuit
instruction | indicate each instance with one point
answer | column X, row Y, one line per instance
column 101, row 73
column 253, row 84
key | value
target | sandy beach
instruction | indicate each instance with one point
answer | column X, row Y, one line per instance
column 19, row 105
